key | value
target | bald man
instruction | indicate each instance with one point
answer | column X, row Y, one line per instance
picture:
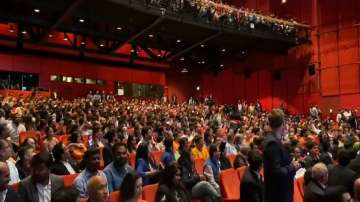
column 97, row 189
column 317, row 189
column 7, row 194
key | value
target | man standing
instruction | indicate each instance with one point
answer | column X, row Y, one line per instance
column 279, row 170
column 7, row 194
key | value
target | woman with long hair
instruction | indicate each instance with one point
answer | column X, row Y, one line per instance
column 144, row 166
column 131, row 188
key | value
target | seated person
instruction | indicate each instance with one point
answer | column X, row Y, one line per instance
column 24, row 163
column 66, row 194
column 131, row 188
column 97, row 189
column 224, row 161
column 76, row 147
column 168, row 156
column 170, row 187
column 144, row 165
column 7, row 194
column 117, row 170
column 62, row 164
column 252, row 184
column 92, row 165
column 5, row 156
column 212, row 167
column 40, row 184
column 200, row 150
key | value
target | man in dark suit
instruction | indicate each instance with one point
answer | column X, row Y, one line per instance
column 252, row 185
column 62, row 165
column 340, row 174
column 7, row 194
column 39, row 186
column 279, row 169
column 354, row 165
column 317, row 189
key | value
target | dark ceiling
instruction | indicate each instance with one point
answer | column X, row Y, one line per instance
column 179, row 34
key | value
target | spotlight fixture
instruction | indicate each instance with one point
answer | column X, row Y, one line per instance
column 159, row 55
column 11, row 29
column 178, row 41
column 184, row 70
column 202, row 45
column 198, row 88
column 203, row 62
column 23, row 32
column 119, row 28
column 252, row 25
column 65, row 38
column 81, row 20
column 151, row 36
column 82, row 43
column 182, row 59
column 221, row 65
column 50, row 35
column 283, row 1
column 36, row 10
column 132, row 51
column 102, row 45
column 223, row 50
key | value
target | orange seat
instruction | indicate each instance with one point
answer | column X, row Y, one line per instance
column 199, row 166
column 15, row 187
column 231, row 159
column 149, row 192
column 27, row 134
column 240, row 172
column 300, row 185
column 69, row 179
column 157, row 156
column 230, row 185
column 297, row 195
column 83, row 200
column 64, row 139
column 114, row 196
column 132, row 160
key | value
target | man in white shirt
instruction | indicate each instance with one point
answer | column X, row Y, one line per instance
column 230, row 148
column 5, row 154
column 41, row 184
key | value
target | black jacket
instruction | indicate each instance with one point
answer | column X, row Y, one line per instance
column 12, row 196
column 314, row 192
column 355, row 165
column 278, row 171
column 58, row 168
column 251, row 187
column 339, row 175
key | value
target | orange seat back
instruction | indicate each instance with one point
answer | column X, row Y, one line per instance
column 114, row 196
column 132, row 160
column 230, row 184
column 199, row 166
column 240, row 172
column 157, row 156
column 15, row 187
column 300, row 185
column 231, row 159
column 83, row 200
column 69, row 179
column 297, row 195
column 64, row 139
column 27, row 134
column 149, row 192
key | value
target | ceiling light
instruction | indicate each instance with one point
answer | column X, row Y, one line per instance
column 132, row 50
column 24, row 31
column 252, row 25
column 65, row 38
column 151, row 36
column 36, row 10
column 184, row 70
column 82, row 43
column 202, row 45
column 283, row 1
column 182, row 58
column 197, row 88
column 11, row 29
column 221, row 65
column 223, row 50
column 203, row 62
column 102, row 45
column 50, row 35
column 159, row 55
column 178, row 41
column 119, row 28
column 81, row 20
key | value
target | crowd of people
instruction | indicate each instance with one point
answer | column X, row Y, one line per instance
column 218, row 12
column 96, row 135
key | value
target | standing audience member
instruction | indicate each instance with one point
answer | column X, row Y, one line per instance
column 252, row 185
column 199, row 151
column 168, row 156
column 212, row 167
column 119, row 168
column 92, row 165
column 131, row 188
column 62, row 164
column 144, row 165
column 5, row 156
column 66, row 194
column 97, row 189
column 7, row 194
column 279, row 169
column 40, row 184
column 224, row 161
column 230, row 148
column 23, row 165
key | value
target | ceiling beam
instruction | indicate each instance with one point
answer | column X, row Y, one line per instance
column 182, row 52
column 68, row 12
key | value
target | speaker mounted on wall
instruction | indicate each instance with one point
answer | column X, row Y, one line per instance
column 247, row 73
column 277, row 75
column 311, row 69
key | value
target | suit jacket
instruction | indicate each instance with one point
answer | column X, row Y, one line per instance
column 314, row 192
column 12, row 196
column 355, row 165
column 339, row 175
column 28, row 190
column 58, row 168
column 278, row 171
column 251, row 188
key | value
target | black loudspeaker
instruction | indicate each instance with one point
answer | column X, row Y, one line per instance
column 247, row 74
column 277, row 75
column 311, row 69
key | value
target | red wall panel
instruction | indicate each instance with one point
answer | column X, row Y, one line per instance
column 349, row 79
column 330, row 81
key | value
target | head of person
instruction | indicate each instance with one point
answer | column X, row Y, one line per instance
column 75, row 137
column 68, row 194
column 59, row 152
column 30, row 141
column 319, row 173
column 199, row 142
column 230, row 138
column 255, row 160
column 146, row 133
column 4, row 176
column 313, row 148
column 184, row 144
column 92, row 159
column 297, row 153
column 120, row 154
column 97, row 189
column 344, row 157
column 214, row 152
column 26, row 153
column 40, row 165
column 357, row 189
column 131, row 142
column 168, row 143
column 5, row 150
column 4, row 131
column 131, row 187
column 276, row 121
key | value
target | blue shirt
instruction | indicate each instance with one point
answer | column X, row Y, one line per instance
column 168, row 157
column 141, row 169
column 115, row 175
column 82, row 179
